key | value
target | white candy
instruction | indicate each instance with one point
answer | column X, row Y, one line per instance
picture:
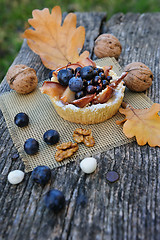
column 88, row 165
column 15, row 177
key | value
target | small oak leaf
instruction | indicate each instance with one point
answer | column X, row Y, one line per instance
column 144, row 124
column 56, row 44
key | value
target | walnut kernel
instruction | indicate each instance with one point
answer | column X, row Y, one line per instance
column 85, row 136
column 22, row 78
column 139, row 77
column 65, row 150
column 107, row 45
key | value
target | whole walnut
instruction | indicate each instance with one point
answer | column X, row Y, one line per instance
column 139, row 77
column 22, row 78
column 107, row 45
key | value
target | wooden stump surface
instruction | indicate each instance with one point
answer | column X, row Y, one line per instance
column 126, row 210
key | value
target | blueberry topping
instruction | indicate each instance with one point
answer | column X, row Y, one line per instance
column 54, row 200
column 79, row 94
column 31, row 146
column 51, row 74
column 97, row 80
column 71, row 69
column 89, row 82
column 77, row 70
column 95, row 72
column 102, row 75
column 99, row 88
column 41, row 175
column 51, row 137
column 104, row 83
column 87, row 72
column 91, row 89
column 76, row 84
column 21, row 119
column 109, row 78
column 64, row 76
column 99, row 70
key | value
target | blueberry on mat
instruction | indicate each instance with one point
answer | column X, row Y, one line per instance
column 21, row 119
column 51, row 137
column 31, row 146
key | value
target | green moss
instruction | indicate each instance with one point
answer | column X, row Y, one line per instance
column 14, row 18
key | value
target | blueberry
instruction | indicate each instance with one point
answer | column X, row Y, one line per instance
column 79, row 94
column 102, row 75
column 91, row 89
column 95, row 72
column 99, row 70
column 21, row 119
column 51, row 74
column 87, row 83
column 104, row 83
column 31, row 146
column 54, row 200
column 41, row 175
column 97, row 80
column 109, row 78
column 64, row 76
column 71, row 69
column 76, row 84
column 99, row 88
column 51, row 137
column 87, row 72
column 77, row 70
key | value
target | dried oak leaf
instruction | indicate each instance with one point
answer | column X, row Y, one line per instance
column 56, row 44
column 144, row 124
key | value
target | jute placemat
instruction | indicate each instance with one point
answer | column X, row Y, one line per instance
column 43, row 117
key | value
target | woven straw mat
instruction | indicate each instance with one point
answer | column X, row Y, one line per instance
column 43, row 117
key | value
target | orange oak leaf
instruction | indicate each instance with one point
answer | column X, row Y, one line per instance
column 144, row 124
column 56, row 44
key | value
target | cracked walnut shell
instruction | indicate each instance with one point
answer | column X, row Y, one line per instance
column 22, row 78
column 107, row 45
column 139, row 77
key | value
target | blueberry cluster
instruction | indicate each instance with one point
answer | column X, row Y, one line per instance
column 83, row 81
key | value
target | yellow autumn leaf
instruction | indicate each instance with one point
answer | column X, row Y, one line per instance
column 56, row 44
column 144, row 124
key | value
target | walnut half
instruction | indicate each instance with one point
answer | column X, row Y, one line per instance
column 85, row 136
column 65, row 150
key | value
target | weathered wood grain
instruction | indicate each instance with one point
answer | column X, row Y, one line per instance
column 126, row 210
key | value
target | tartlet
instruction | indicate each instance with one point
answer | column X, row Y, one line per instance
column 96, row 109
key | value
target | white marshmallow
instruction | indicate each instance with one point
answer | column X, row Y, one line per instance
column 15, row 177
column 88, row 165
